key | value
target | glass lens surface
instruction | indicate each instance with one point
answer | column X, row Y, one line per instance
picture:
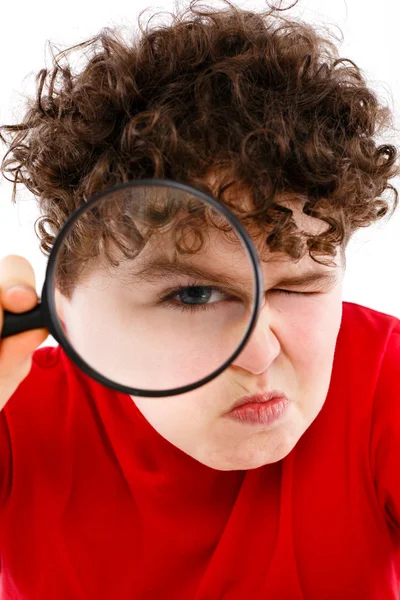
column 154, row 288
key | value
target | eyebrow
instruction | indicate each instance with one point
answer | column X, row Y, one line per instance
column 307, row 278
column 166, row 269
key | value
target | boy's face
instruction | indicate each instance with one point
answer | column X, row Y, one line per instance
column 291, row 350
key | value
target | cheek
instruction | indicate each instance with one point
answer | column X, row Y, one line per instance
column 308, row 337
column 176, row 418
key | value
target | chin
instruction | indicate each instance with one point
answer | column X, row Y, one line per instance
column 252, row 459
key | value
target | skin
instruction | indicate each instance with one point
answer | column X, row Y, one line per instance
column 17, row 295
column 291, row 350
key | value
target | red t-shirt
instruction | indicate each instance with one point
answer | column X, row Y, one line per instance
column 95, row 504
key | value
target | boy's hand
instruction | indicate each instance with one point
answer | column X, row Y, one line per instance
column 16, row 351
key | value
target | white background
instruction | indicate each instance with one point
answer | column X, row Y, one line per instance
column 371, row 39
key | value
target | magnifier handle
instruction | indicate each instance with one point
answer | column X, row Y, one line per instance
column 17, row 323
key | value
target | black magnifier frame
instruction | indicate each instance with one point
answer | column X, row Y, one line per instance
column 45, row 314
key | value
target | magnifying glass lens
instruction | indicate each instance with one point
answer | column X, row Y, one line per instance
column 154, row 288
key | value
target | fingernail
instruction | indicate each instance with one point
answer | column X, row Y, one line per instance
column 19, row 288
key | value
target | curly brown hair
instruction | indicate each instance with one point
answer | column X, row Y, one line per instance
column 263, row 100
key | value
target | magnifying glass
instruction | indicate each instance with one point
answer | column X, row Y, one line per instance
column 152, row 288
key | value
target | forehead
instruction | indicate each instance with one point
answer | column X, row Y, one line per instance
column 223, row 260
column 207, row 246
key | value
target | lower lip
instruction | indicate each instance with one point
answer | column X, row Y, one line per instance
column 262, row 413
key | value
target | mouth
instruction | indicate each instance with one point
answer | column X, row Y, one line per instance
column 258, row 399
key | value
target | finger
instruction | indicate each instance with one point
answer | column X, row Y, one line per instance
column 16, row 349
column 15, row 270
column 18, row 299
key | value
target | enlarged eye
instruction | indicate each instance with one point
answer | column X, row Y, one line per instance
column 196, row 298
column 199, row 294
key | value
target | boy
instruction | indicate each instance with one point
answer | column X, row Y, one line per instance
column 106, row 495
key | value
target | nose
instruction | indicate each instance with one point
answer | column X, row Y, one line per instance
column 261, row 348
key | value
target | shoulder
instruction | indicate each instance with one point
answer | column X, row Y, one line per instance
column 53, row 411
column 367, row 319
column 367, row 353
column 367, row 334
column 366, row 362
column 54, row 391
column 374, row 367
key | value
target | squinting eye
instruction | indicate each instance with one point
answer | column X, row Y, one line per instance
column 294, row 293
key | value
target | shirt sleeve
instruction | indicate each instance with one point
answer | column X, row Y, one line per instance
column 385, row 433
